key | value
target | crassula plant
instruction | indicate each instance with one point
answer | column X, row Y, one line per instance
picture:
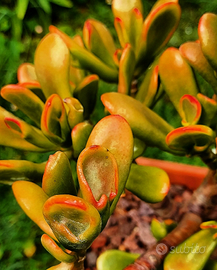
column 72, row 195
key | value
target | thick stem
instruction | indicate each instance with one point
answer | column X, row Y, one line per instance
column 193, row 214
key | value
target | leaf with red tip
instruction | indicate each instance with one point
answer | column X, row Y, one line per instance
column 150, row 184
column 57, row 178
column 98, row 39
column 29, row 133
column 126, row 70
column 97, row 175
column 26, row 73
column 54, row 123
column 150, row 88
column 75, row 222
column 193, row 253
column 52, row 63
column 209, row 225
column 75, row 111
column 31, row 199
column 207, row 31
column 191, row 110
column 114, row 133
column 155, row 33
column 25, row 100
column 192, row 52
column 80, row 134
column 86, row 93
column 128, row 21
column 191, row 139
column 145, row 123
column 13, row 139
column 172, row 69
column 56, row 251
column 209, row 110
column 86, row 59
column 12, row 170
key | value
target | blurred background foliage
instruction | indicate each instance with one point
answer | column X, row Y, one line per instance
column 22, row 24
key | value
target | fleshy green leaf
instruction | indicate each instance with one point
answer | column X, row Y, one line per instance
column 114, row 133
column 208, row 37
column 57, row 177
column 52, row 63
column 56, row 251
column 54, row 123
column 115, row 260
column 86, row 59
column 146, row 124
column 31, row 199
column 25, row 100
column 172, row 69
column 150, row 184
column 12, row 170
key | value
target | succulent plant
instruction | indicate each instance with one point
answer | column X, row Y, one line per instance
column 58, row 94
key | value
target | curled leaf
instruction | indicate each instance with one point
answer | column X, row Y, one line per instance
column 56, row 251
column 191, row 139
column 190, row 110
column 75, row 222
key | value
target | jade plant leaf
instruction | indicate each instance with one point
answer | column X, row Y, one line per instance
column 97, row 172
column 209, row 110
column 172, row 69
column 194, row 252
column 31, row 199
column 191, row 139
column 114, row 133
column 98, row 39
column 192, row 52
column 75, row 222
column 126, row 69
column 128, row 21
column 54, row 122
column 87, row 60
column 190, row 110
column 57, row 178
column 56, row 251
column 155, row 34
column 25, row 100
column 80, row 134
column 86, row 93
column 145, row 123
column 12, row 170
column 150, row 184
column 52, row 66
column 208, row 37
column 29, row 133
column 14, row 139
column 139, row 148
column 150, row 88
column 26, row 73
column 115, row 260
column 160, row 229
column 75, row 111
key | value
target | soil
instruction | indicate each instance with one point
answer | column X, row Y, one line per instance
column 128, row 229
